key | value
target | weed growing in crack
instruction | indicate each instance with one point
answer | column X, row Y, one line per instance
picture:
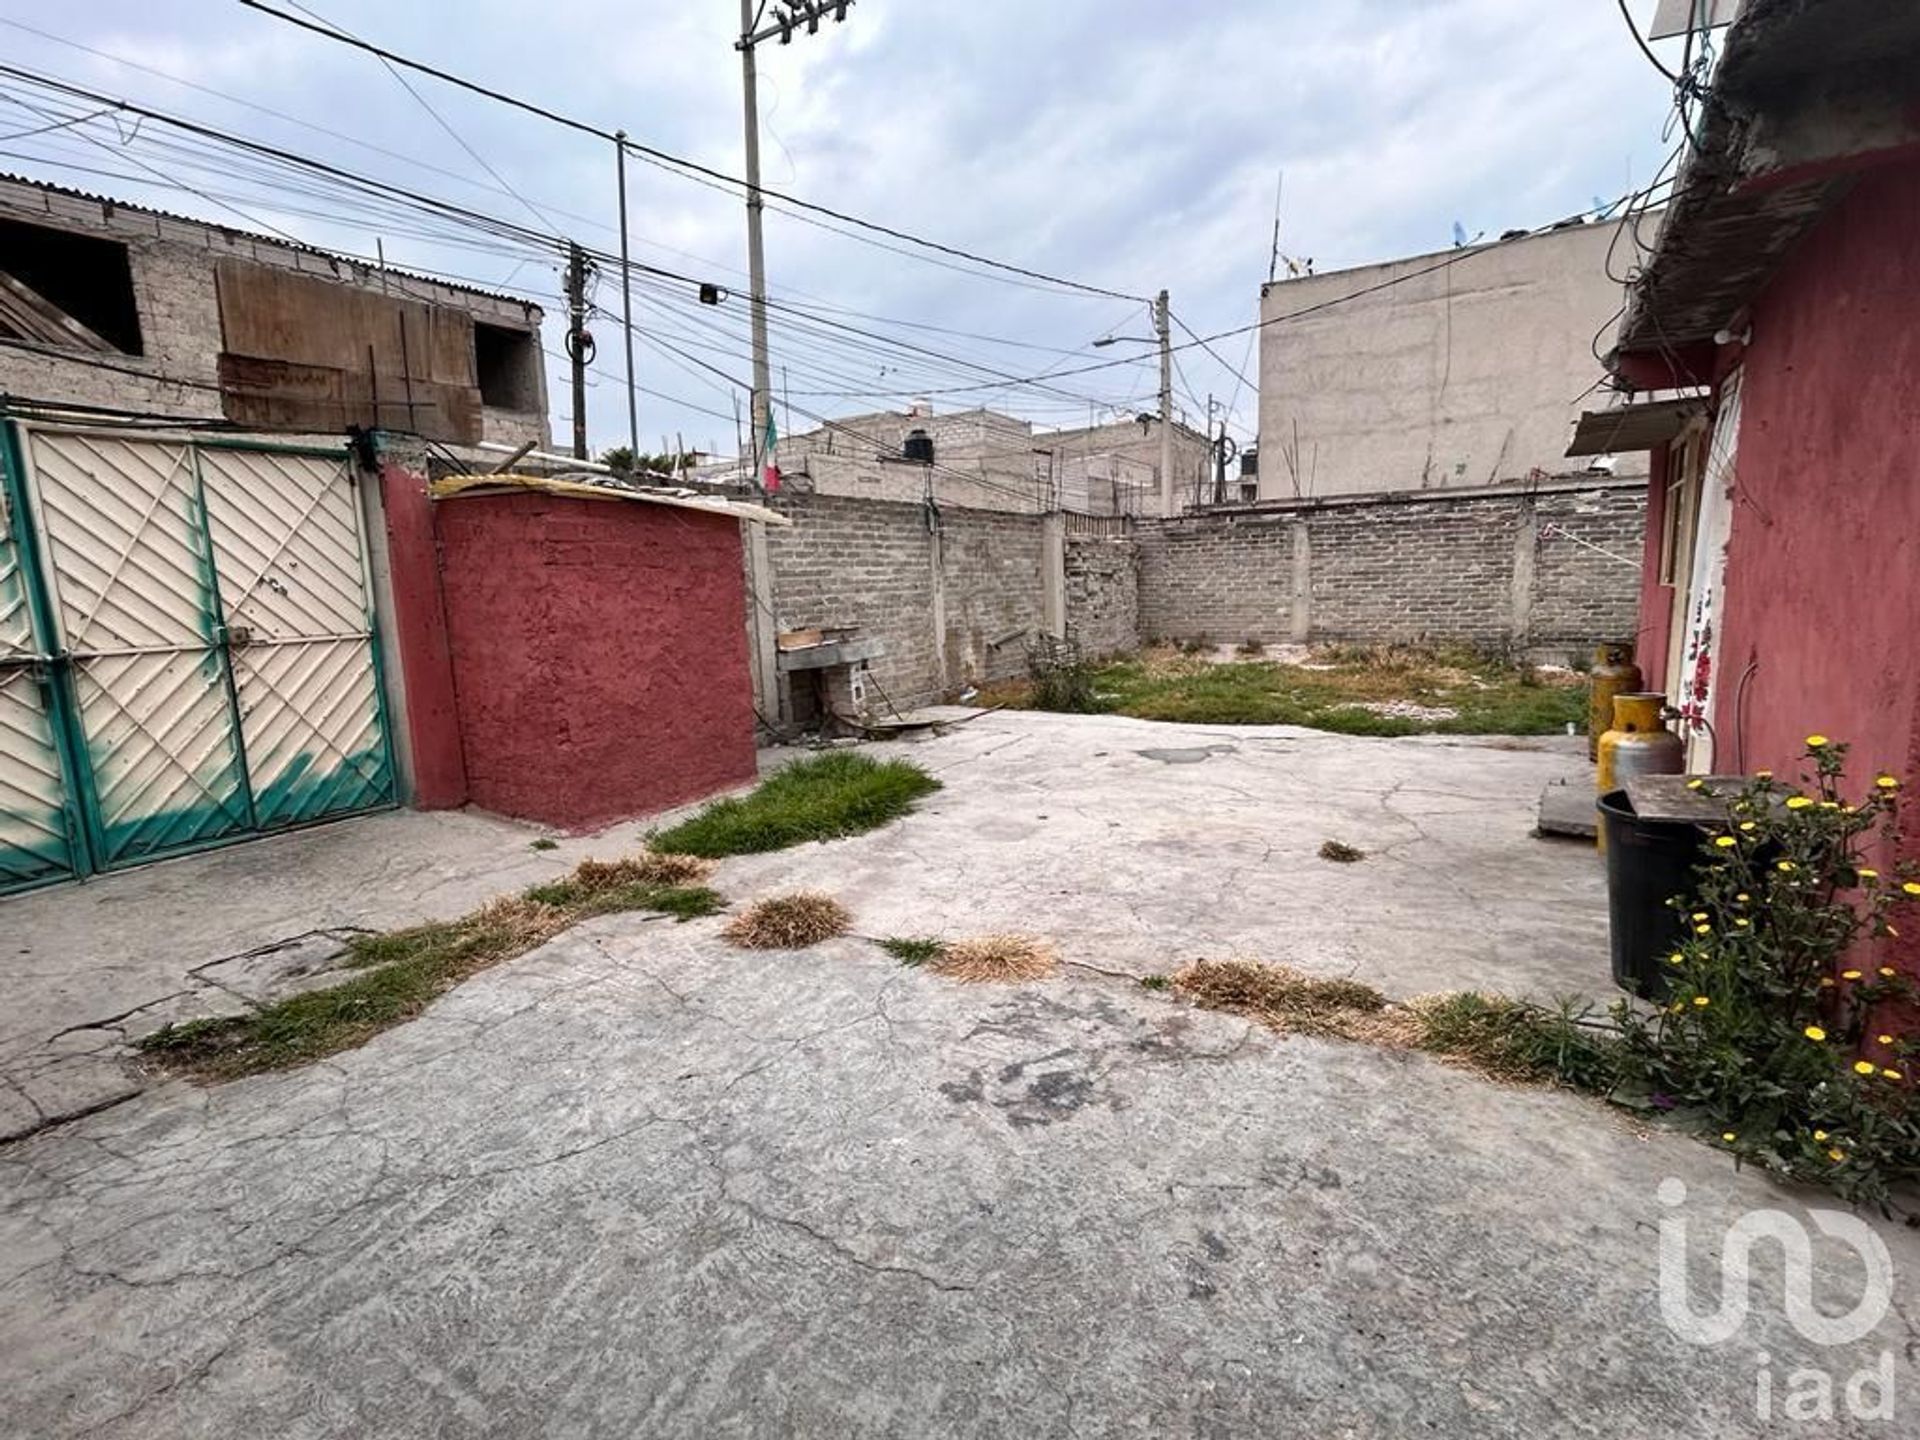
column 1340, row 853
column 789, row 922
column 912, row 951
column 400, row 972
column 545, row 842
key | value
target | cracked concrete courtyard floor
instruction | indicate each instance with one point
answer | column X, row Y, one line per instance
column 637, row 1183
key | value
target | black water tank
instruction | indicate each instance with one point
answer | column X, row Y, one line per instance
column 918, row 446
column 1250, row 460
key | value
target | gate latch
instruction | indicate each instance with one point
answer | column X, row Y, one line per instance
column 239, row 636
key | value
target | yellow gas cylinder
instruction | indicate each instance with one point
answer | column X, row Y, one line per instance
column 1614, row 673
column 1638, row 743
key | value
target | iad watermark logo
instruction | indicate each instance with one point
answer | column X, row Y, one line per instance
column 1808, row 1393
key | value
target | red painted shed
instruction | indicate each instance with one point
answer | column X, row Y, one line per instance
column 572, row 654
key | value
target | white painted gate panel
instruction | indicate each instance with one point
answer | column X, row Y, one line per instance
column 294, row 593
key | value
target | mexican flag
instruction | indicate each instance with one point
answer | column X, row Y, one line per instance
column 770, row 472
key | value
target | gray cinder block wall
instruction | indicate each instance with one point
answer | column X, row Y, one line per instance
column 955, row 594
column 1544, row 568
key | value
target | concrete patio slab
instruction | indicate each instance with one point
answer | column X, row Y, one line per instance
column 640, row 1184
column 88, row 966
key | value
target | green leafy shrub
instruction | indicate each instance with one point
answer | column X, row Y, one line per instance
column 1773, row 1036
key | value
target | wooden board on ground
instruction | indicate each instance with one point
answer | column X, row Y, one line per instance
column 1672, row 797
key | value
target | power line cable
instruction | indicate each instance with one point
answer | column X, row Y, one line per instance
column 678, row 162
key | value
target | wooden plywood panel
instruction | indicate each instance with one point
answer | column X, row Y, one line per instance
column 303, row 353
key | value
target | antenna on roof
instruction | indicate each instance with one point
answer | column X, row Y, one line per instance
column 1273, row 258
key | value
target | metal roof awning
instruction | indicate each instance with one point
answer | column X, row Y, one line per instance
column 491, row 484
column 1628, row 428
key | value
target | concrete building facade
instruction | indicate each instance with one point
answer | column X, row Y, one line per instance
column 1458, row 369
column 116, row 307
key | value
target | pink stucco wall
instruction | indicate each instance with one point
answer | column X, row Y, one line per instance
column 600, row 653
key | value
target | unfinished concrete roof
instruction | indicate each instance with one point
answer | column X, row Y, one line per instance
column 457, row 486
column 1744, row 200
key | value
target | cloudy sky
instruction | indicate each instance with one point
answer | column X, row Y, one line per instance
column 1126, row 144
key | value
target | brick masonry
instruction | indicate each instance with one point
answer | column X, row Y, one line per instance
column 1103, row 594
column 1550, row 569
column 955, row 595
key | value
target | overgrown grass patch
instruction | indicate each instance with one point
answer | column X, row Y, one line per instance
column 400, row 972
column 827, row 797
column 1411, row 689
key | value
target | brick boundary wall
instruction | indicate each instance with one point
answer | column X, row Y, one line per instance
column 1546, row 569
column 1103, row 594
column 954, row 595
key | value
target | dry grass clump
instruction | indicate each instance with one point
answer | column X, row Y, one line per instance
column 996, row 960
column 1292, row 1002
column 649, row 867
column 789, row 922
column 1341, row 853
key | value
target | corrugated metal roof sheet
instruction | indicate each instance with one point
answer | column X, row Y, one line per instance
column 456, row 486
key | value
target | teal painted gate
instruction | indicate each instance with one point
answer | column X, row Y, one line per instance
column 210, row 668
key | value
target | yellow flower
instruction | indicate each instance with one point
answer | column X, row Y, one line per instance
column 1829, row 804
column 1703, row 929
column 1743, row 897
column 1741, row 922
column 1836, row 1155
column 1763, row 774
column 1814, row 742
column 1826, row 982
column 1725, row 842
column 1814, row 1032
column 1728, row 1136
column 1887, row 782
column 1702, row 1001
column 1786, row 867
column 1863, row 1067
column 1893, row 1074
column 1747, row 825
column 1695, row 784
column 1798, row 802
column 1698, row 915
column 1866, row 873
column 1884, row 1039
column 1888, row 971
column 1820, row 1135
column 1676, row 958
column 1849, row 974
column 1911, row 887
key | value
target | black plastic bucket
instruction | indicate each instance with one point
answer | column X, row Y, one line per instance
column 1649, row 863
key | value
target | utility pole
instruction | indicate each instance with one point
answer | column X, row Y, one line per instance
column 579, row 343
column 1162, row 327
column 786, row 17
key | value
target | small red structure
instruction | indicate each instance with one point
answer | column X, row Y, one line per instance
column 571, row 654
column 1777, row 326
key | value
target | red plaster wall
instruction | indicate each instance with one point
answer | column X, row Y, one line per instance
column 1656, row 600
column 600, row 650
column 438, row 770
column 1823, row 563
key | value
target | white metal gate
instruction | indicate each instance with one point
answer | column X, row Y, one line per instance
column 36, row 831
column 212, row 657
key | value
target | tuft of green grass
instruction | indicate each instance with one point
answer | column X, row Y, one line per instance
column 1156, row 982
column 1514, row 1040
column 912, row 950
column 401, row 971
column 545, row 842
column 827, row 797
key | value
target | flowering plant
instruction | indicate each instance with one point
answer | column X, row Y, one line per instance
column 1775, row 1035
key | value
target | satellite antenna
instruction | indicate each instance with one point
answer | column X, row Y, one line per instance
column 1459, row 234
column 1678, row 17
column 1273, row 258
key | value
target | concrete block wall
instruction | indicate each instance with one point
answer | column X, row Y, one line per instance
column 1547, row 569
column 1103, row 594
